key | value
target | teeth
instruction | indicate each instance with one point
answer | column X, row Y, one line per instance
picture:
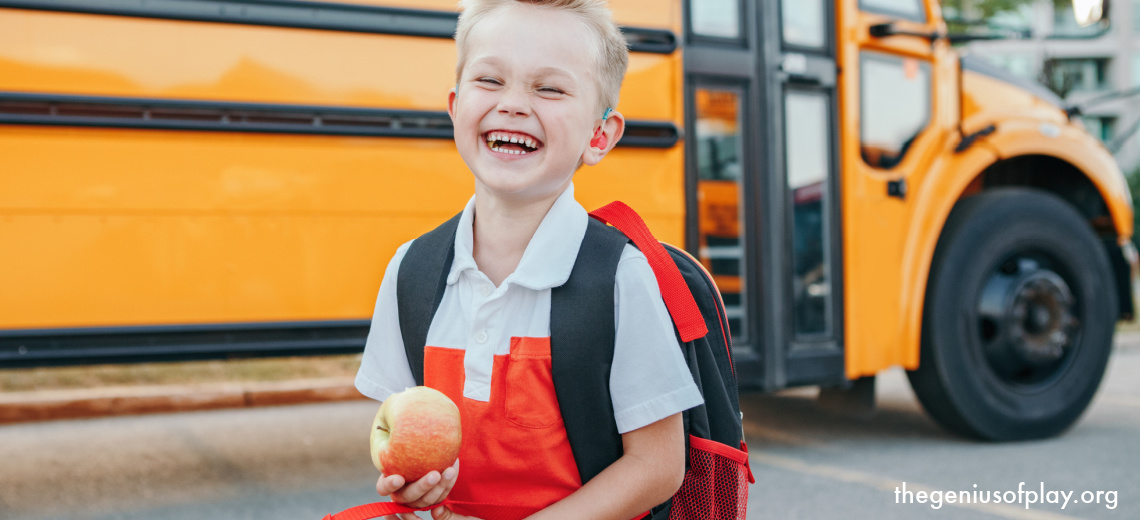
column 500, row 137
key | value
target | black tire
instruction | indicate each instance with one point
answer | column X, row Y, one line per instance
column 1019, row 317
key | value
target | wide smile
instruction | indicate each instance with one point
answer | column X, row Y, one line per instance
column 511, row 143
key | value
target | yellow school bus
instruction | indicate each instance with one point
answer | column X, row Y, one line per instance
column 208, row 178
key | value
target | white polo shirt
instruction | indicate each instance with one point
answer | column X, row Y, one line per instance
column 649, row 380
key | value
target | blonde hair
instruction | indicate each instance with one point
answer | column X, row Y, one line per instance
column 611, row 52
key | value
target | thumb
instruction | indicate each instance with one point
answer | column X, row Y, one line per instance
column 442, row 513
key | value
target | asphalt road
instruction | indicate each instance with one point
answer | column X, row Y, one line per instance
column 301, row 462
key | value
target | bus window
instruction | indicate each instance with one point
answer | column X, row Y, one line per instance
column 808, row 160
column 804, row 23
column 907, row 9
column 719, row 166
column 895, row 106
column 715, row 18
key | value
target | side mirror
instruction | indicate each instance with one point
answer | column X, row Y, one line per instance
column 1088, row 12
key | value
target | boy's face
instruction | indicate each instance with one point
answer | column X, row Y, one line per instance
column 526, row 104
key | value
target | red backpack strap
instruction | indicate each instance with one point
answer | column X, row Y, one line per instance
column 487, row 511
column 369, row 511
column 686, row 316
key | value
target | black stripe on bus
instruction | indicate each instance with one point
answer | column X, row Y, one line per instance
column 19, row 108
column 84, row 346
column 308, row 15
column 219, row 116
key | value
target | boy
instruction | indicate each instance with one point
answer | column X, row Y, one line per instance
column 535, row 83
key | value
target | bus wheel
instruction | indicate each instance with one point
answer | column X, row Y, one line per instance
column 1019, row 316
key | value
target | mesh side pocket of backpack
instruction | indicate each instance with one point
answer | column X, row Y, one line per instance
column 716, row 484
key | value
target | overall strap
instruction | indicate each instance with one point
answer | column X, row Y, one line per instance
column 582, row 332
column 420, row 283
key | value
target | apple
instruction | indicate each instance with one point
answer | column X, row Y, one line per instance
column 415, row 432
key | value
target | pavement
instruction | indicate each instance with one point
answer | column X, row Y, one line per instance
column 48, row 405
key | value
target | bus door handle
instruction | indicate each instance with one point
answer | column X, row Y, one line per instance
column 884, row 30
column 800, row 69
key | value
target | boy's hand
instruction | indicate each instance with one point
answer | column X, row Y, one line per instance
column 425, row 492
column 443, row 513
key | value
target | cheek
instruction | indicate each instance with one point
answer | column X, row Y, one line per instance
column 569, row 125
column 468, row 105
column 466, row 125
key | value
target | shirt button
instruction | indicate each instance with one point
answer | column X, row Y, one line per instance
column 486, row 290
column 481, row 337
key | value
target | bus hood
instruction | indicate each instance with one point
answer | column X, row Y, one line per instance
column 980, row 66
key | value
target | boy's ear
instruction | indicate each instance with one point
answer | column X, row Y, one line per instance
column 611, row 130
column 451, row 104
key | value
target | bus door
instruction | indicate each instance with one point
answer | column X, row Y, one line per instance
column 899, row 101
column 761, row 167
column 805, row 189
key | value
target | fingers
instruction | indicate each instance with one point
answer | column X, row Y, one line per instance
column 388, row 484
column 440, row 491
column 429, row 490
column 417, row 493
column 444, row 513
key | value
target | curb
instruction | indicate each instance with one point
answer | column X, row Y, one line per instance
column 51, row 405
column 17, row 407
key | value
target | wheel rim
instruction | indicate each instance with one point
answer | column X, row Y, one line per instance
column 1027, row 320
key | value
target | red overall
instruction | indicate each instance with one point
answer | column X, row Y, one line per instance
column 515, row 459
column 515, row 452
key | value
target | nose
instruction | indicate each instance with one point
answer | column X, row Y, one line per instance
column 514, row 102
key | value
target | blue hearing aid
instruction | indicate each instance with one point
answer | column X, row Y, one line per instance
column 599, row 140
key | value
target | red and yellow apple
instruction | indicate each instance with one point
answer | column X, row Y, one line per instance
column 415, row 432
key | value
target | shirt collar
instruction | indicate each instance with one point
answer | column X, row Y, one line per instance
column 550, row 255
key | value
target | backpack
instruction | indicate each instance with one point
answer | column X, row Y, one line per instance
column 717, row 471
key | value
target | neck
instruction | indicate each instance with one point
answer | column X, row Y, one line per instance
column 503, row 228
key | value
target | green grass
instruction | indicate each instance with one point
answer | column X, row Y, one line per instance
column 235, row 370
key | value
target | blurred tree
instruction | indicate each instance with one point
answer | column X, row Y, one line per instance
column 1058, row 79
column 964, row 15
column 981, row 10
column 992, row 17
column 971, row 16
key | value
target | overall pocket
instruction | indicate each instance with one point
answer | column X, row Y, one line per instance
column 530, row 398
